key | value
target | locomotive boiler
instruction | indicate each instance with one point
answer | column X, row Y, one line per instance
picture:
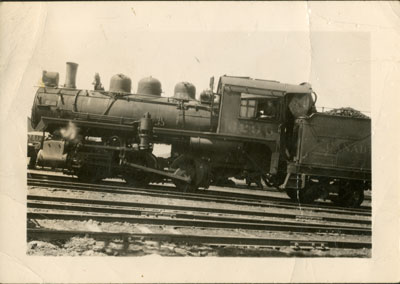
column 247, row 129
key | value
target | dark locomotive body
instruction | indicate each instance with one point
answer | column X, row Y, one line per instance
column 254, row 129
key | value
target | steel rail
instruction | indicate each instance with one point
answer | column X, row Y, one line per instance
column 46, row 234
column 185, row 208
column 243, row 196
column 77, row 216
column 188, row 196
column 181, row 218
column 327, row 216
column 209, row 191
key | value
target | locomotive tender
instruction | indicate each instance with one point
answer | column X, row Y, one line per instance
column 252, row 129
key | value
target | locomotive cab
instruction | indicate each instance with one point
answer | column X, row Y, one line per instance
column 261, row 114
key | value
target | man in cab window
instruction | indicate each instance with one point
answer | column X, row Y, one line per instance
column 268, row 110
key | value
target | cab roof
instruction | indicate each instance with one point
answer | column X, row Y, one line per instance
column 257, row 84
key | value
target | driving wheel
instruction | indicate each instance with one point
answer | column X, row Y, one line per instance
column 139, row 178
column 185, row 167
column 350, row 195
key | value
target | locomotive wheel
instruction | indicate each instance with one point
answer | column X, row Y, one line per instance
column 87, row 174
column 256, row 180
column 306, row 195
column 292, row 193
column 349, row 196
column 185, row 167
column 229, row 183
column 185, row 187
column 223, row 181
column 309, row 194
column 196, row 169
column 140, row 178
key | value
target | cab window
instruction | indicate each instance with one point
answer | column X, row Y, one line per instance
column 248, row 108
column 258, row 107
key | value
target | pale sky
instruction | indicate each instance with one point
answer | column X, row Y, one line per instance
column 289, row 42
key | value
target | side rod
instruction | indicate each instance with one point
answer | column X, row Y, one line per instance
column 158, row 172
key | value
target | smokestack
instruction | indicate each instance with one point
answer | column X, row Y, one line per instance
column 70, row 78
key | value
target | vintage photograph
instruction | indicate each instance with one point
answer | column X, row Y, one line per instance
column 132, row 152
column 209, row 141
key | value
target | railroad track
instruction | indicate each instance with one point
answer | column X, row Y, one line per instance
column 277, row 227
column 39, row 199
column 168, row 192
column 139, row 213
column 46, row 234
column 209, row 191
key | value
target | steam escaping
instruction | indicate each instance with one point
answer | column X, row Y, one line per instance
column 70, row 132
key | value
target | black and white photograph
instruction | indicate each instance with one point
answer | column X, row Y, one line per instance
column 197, row 134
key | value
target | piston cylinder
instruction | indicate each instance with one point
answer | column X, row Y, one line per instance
column 70, row 79
column 53, row 154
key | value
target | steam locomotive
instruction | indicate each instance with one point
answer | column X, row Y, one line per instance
column 258, row 130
